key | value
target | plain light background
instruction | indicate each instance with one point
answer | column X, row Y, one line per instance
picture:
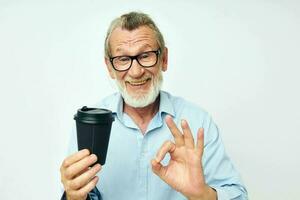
column 239, row 60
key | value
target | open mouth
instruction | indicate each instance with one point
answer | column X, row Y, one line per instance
column 137, row 83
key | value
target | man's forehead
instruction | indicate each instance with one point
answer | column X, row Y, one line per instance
column 142, row 36
column 142, row 46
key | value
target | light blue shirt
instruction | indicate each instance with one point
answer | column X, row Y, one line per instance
column 127, row 172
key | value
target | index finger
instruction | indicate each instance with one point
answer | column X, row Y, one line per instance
column 75, row 157
column 179, row 141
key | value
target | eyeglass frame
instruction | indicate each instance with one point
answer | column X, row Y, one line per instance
column 132, row 58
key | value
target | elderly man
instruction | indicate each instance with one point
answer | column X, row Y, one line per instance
column 161, row 146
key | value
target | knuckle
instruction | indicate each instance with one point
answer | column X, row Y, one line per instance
column 75, row 184
column 89, row 176
column 62, row 174
column 67, row 187
column 68, row 174
column 62, row 180
column 65, row 163
column 168, row 143
column 61, row 169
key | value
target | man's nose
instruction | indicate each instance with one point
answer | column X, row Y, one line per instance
column 136, row 70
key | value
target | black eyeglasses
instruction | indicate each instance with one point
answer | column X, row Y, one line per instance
column 145, row 59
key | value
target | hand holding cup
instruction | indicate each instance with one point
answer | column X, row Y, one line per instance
column 77, row 177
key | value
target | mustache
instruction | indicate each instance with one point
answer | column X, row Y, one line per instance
column 133, row 80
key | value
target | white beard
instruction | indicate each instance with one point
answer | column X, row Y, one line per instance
column 139, row 100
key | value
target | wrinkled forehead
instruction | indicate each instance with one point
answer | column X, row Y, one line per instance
column 132, row 41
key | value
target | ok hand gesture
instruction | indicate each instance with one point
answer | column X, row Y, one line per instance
column 184, row 171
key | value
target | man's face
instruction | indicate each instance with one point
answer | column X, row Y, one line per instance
column 139, row 86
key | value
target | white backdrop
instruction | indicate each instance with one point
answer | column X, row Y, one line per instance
column 237, row 59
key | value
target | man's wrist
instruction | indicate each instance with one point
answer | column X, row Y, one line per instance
column 209, row 194
column 68, row 198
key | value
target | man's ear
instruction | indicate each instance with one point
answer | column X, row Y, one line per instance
column 109, row 68
column 165, row 60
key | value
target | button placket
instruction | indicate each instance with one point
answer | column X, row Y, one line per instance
column 143, row 165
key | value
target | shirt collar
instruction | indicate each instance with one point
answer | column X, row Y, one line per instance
column 116, row 104
column 165, row 104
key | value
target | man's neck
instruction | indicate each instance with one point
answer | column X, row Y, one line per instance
column 142, row 116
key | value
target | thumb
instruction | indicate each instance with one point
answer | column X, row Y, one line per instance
column 158, row 169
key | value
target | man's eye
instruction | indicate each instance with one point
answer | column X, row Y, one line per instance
column 144, row 55
column 123, row 59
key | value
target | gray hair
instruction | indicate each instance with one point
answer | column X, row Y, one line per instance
column 131, row 21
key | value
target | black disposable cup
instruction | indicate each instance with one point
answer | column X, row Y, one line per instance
column 93, row 130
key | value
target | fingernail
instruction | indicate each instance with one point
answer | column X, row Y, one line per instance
column 183, row 122
column 153, row 161
column 85, row 151
column 169, row 117
column 93, row 157
column 98, row 166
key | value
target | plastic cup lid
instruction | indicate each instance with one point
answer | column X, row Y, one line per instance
column 93, row 115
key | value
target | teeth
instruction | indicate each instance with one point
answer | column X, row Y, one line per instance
column 138, row 82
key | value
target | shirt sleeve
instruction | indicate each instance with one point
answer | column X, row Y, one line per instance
column 219, row 171
column 93, row 195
